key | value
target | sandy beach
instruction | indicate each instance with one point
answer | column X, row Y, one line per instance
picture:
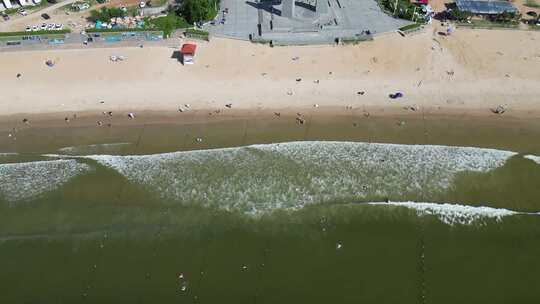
column 468, row 72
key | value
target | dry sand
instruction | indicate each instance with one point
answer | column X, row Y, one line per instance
column 472, row 70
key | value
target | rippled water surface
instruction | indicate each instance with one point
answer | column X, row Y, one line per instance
column 313, row 221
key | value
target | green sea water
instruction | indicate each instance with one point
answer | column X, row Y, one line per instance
column 270, row 223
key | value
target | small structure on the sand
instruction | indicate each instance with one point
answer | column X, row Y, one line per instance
column 188, row 53
column 115, row 58
column 500, row 109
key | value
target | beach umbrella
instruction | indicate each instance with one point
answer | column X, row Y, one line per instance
column 396, row 95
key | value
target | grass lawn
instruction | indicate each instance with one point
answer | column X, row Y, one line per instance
column 168, row 24
column 36, row 33
column 196, row 32
column 488, row 24
column 410, row 26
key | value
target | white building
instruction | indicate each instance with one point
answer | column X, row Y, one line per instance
column 7, row 4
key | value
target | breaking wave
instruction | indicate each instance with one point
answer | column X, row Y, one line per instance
column 20, row 181
column 3, row 154
column 452, row 214
column 534, row 158
column 94, row 149
column 291, row 175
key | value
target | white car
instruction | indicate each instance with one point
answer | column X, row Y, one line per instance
column 23, row 12
column 35, row 28
column 142, row 4
column 28, row 28
column 59, row 26
column 50, row 26
column 43, row 27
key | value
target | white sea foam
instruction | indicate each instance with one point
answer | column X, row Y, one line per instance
column 93, row 149
column 20, row 181
column 258, row 178
column 454, row 213
column 62, row 156
column 7, row 154
column 534, row 158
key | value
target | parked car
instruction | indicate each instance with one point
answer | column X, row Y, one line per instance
column 45, row 16
column 52, row 1
column 35, row 28
column 28, row 28
column 59, row 26
column 5, row 16
column 43, row 27
column 22, row 12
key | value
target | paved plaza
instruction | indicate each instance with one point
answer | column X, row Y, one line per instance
column 308, row 22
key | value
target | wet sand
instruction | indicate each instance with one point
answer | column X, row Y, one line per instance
column 155, row 132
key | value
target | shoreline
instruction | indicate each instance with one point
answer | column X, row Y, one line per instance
column 155, row 132
column 120, row 116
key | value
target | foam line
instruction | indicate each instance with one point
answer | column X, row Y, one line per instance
column 534, row 158
column 93, row 149
column 21, row 181
column 452, row 214
column 7, row 154
column 290, row 175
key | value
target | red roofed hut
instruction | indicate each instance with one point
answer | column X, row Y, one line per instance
column 188, row 52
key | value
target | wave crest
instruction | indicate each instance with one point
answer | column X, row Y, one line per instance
column 290, row 175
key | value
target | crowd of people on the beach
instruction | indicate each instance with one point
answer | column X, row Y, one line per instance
column 300, row 118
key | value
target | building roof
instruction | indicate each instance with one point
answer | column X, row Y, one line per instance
column 188, row 48
column 487, row 7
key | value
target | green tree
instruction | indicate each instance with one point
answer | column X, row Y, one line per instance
column 199, row 10
column 105, row 14
column 168, row 24
column 459, row 15
column 506, row 17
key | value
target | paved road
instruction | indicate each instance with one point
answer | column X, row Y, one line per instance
column 75, row 41
column 23, row 20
